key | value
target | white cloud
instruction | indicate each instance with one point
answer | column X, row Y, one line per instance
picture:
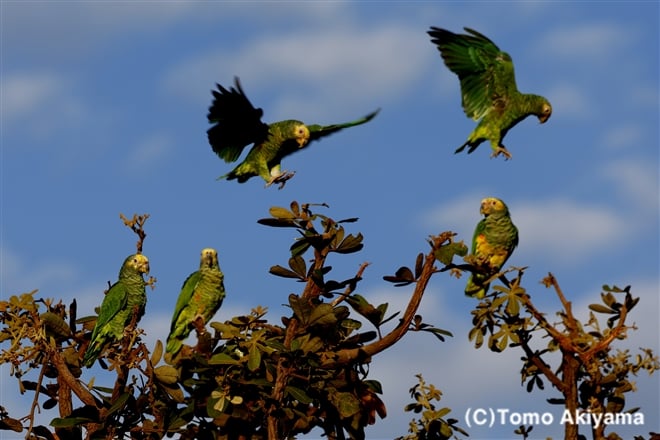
column 623, row 136
column 566, row 230
column 636, row 183
column 18, row 276
column 354, row 66
column 570, row 101
column 25, row 93
column 41, row 99
column 587, row 42
column 148, row 152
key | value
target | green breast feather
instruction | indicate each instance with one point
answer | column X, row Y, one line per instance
column 493, row 242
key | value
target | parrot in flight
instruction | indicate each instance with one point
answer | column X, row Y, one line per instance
column 124, row 298
column 237, row 124
column 201, row 296
column 488, row 87
column 493, row 242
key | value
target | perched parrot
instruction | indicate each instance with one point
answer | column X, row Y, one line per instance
column 201, row 296
column 488, row 87
column 237, row 124
column 125, row 297
column 493, row 242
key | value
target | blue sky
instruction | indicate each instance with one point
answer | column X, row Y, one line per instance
column 104, row 111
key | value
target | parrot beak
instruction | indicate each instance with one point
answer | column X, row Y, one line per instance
column 546, row 111
column 143, row 264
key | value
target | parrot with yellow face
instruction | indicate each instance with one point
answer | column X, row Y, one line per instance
column 237, row 123
column 493, row 242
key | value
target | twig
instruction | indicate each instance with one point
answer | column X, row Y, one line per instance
column 351, row 287
column 137, row 225
column 342, row 357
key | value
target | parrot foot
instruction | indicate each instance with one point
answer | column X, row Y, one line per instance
column 281, row 179
column 503, row 151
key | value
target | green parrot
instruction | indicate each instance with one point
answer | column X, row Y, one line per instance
column 125, row 297
column 493, row 242
column 201, row 296
column 488, row 87
column 237, row 124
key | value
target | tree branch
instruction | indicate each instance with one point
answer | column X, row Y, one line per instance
column 346, row 356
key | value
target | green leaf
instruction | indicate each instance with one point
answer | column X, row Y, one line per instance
column 419, row 265
column 119, row 403
column 364, row 308
column 166, row 374
column 297, row 264
column 223, row 359
column 284, row 272
column 513, row 306
column 68, row 422
column 301, row 308
column 298, row 394
column 49, row 404
column 352, row 243
column 445, row 254
column 599, row 308
column 55, row 325
column 277, row 222
column 373, row 385
column 281, row 213
column 254, row 359
column 346, row 403
column 322, row 315
column 157, row 353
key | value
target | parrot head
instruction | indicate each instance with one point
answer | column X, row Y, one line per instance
column 546, row 111
column 491, row 205
column 209, row 258
column 301, row 134
column 137, row 262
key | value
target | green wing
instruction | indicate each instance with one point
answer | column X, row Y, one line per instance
column 115, row 300
column 186, row 294
column 318, row 131
column 179, row 328
column 237, row 122
column 485, row 72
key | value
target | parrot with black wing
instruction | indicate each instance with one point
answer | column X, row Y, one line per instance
column 237, row 124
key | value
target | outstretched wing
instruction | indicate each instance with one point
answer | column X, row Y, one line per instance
column 318, row 131
column 485, row 72
column 237, row 122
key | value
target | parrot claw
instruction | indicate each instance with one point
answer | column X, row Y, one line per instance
column 503, row 151
column 281, row 179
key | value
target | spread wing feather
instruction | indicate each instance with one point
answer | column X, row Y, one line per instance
column 237, row 122
column 485, row 72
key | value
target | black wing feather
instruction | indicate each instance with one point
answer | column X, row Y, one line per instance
column 237, row 122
